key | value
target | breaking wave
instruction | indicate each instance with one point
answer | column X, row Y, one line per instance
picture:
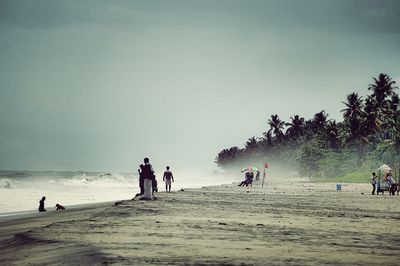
column 66, row 188
column 5, row 183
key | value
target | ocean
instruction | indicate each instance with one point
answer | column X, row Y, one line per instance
column 20, row 191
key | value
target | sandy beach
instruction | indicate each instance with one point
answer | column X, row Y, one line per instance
column 290, row 223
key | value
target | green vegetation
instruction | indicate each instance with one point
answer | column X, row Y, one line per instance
column 328, row 150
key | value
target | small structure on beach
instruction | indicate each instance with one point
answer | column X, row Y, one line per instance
column 383, row 172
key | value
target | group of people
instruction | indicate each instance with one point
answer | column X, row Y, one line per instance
column 147, row 184
column 248, row 179
column 249, row 176
column 388, row 179
column 148, row 181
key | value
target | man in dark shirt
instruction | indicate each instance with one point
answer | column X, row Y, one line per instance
column 149, row 180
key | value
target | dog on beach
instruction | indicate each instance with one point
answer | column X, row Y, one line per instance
column 59, row 207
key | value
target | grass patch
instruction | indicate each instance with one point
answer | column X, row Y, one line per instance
column 353, row 177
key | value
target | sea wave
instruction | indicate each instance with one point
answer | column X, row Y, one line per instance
column 105, row 178
column 13, row 174
column 13, row 179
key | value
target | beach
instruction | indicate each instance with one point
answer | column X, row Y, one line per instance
column 291, row 222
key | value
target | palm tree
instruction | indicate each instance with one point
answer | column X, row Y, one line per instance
column 382, row 88
column 308, row 129
column 267, row 139
column 370, row 104
column 319, row 121
column 296, row 127
column 332, row 133
column 251, row 143
column 396, row 133
column 354, row 106
column 390, row 117
column 372, row 123
column 353, row 116
column 359, row 124
column 277, row 126
column 394, row 103
column 227, row 157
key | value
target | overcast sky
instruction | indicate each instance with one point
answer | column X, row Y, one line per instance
column 99, row 85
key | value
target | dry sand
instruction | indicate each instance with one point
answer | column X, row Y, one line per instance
column 292, row 223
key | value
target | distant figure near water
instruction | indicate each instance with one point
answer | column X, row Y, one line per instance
column 148, row 176
column 168, row 177
column 41, row 204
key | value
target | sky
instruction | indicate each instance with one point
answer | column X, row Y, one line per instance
column 99, row 85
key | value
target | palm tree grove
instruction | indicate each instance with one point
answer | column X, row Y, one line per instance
column 368, row 136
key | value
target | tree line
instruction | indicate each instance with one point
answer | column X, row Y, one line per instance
column 368, row 135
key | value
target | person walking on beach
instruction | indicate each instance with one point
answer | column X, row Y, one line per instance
column 373, row 182
column 148, row 176
column 168, row 177
column 41, row 204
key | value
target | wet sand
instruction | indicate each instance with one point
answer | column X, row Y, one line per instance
column 292, row 223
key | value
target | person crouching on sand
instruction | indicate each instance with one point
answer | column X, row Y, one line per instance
column 59, row 207
column 41, row 204
column 168, row 177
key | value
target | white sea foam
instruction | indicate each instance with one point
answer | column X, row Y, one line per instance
column 5, row 183
column 22, row 191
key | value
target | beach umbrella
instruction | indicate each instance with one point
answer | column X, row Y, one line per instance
column 250, row 169
column 384, row 167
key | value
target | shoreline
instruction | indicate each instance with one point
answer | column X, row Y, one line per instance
column 286, row 223
column 8, row 216
column 21, row 197
column 34, row 212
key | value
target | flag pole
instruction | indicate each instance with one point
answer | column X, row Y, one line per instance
column 264, row 174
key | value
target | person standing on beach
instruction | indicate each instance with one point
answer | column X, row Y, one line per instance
column 168, row 177
column 41, row 204
column 392, row 184
column 373, row 182
column 154, row 185
column 148, row 176
column 141, row 181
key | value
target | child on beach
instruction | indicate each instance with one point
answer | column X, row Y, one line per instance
column 41, row 204
column 141, row 181
column 373, row 182
column 168, row 177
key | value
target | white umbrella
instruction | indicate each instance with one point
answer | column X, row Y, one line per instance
column 250, row 169
column 384, row 167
